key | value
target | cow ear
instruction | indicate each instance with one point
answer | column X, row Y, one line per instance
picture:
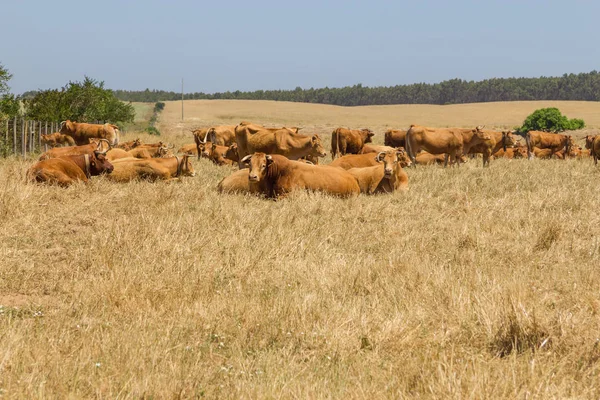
column 214, row 146
column 233, row 146
column 314, row 138
column 269, row 159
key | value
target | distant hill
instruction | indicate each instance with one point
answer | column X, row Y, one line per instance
column 583, row 86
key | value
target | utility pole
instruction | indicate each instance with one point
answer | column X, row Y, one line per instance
column 182, row 99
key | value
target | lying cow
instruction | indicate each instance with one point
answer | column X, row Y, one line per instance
column 153, row 169
column 83, row 132
column 386, row 177
column 132, row 144
column 67, row 170
column 57, row 138
column 151, row 151
column 281, row 176
column 512, row 152
column 190, row 149
column 101, row 146
column 220, row 155
column 349, row 141
column 365, row 160
column 117, row 154
column 373, row 148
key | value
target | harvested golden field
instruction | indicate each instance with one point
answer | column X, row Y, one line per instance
column 477, row 283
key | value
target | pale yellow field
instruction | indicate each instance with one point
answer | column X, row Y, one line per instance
column 319, row 118
column 476, row 283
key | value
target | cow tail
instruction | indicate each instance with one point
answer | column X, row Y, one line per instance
column 409, row 149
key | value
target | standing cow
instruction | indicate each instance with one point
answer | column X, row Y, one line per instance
column 346, row 141
column 83, row 132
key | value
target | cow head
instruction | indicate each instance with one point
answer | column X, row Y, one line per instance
column 165, row 151
column 520, row 152
column 480, row 134
column 232, row 153
column 258, row 164
column 67, row 127
column 589, row 141
column 508, row 139
column 99, row 164
column 391, row 160
column 368, row 135
column 317, row 149
column 206, row 149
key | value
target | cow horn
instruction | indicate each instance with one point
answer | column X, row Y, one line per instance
column 378, row 158
column 172, row 146
column 246, row 159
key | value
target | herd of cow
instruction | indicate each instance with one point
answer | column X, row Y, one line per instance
column 276, row 161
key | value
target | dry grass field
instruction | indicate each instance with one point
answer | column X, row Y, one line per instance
column 476, row 283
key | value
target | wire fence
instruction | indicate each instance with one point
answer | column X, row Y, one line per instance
column 23, row 137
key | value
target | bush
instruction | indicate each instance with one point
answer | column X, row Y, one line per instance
column 550, row 120
column 159, row 106
column 152, row 131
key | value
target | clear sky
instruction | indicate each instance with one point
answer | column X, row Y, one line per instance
column 221, row 45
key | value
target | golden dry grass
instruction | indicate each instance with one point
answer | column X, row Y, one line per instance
column 474, row 284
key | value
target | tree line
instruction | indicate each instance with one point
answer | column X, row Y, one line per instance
column 583, row 86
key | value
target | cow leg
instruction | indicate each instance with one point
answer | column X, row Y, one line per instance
column 445, row 160
column 486, row 158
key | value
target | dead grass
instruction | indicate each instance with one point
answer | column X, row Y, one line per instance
column 476, row 283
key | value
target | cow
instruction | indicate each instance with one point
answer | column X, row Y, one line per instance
column 151, row 151
column 132, row 144
column 223, row 135
column 238, row 182
column 366, row 160
column 498, row 141
column 281, row 176
column 220, row 155
column 545, row 140
column 83, row 132
column 595, row 149
column 395, row 138
column 346, row 141
column 67, row 170
column 56, row 152
column 544, row 154
column 191, row 149
column 117, row 154
column 253, row 128
column 512, row 152
column 57, row 138
column 425, row 158
column 152, row 169
column 589, row 140
column 447, row 141
column 386, row 177
column 280, row 141
column 372, row 148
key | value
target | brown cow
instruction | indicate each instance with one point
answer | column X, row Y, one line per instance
column 56, row 152
column 238, row 182
column 351, row 141
column 56, row 138
column 372, row 148
column 282, row 176
column 191, row 149
column 117, row 154
column 132, row 144
column 386, row 177
column 220, row 155
column 254, row 128
column 595, row 149
column 395, row 138
column 498, row 141
column 366, row 160
column 545, row 140
column 280, row 141
column 439, row 141
column 512, row 152
column 544, row 154
column 150, row 151
column 83, row 132
column 152, row 169
column 67, row 170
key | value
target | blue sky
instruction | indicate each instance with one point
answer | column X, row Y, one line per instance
column 239, row 45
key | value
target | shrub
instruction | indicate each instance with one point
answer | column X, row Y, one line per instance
column 550, row 120
column 152, row 131
column 159, row 106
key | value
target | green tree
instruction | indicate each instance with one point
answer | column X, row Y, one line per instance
column 86, row 101
column 550, row 120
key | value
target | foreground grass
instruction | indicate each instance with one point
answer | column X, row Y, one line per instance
column 476, row 283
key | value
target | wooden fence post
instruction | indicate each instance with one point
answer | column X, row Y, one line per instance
column 40, row 136
column 45, row 133
column 23, row 137
column 15, row 136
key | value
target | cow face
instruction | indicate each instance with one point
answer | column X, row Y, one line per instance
column 66, row 127
column 369, row 135
column 99, row 164
column 206, row 149
column 509, row 139
column 589, row 141
column 317, row 147
column 403, row 157
column 391, row 160
column 480, row 135
column 258, row 163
